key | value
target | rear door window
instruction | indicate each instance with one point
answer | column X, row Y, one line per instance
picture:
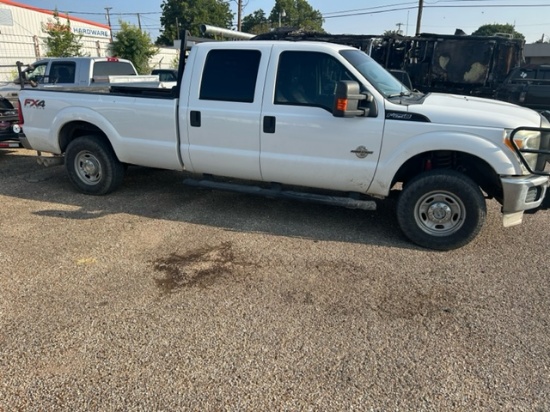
column 230, row 75
column 62, row 72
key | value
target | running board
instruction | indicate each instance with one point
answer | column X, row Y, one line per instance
column 347, row 202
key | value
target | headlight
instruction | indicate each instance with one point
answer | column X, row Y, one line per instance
column 525, row 140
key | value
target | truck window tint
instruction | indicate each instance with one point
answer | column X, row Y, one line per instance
column 62, row 72
column 525, row 75
column 230, row 75
column 113, row 69
column 308, row 79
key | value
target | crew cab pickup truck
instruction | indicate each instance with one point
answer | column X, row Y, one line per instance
column 309, row 121
column 81, row 72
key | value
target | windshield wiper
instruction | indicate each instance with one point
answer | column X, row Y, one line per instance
column 400, row 94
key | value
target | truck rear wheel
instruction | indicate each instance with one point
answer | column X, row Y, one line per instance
column 441, row 209
column 92, row 166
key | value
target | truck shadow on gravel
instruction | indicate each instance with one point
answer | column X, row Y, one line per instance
column 160, row 194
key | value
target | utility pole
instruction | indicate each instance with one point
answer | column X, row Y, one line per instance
column 419, row 18
column 239, row 14
column 109, row 22
column 399, row 31
column 139, row 21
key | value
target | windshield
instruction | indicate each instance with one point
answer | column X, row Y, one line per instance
column 380, row 78
column 36, row 73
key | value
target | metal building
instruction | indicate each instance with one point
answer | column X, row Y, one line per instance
column 23, row 30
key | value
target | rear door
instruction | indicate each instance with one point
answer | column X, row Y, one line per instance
column 302, row 142
column 223, row 114
column 62, row 73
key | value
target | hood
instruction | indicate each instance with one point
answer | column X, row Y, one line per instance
column 474, row 111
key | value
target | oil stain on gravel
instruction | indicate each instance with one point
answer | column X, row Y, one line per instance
column 200, row 267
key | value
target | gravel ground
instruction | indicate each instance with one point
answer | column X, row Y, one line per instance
column 162, row 298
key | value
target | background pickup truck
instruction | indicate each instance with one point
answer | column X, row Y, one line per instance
column 527, row 86
column 309, row 121
column 80, row 72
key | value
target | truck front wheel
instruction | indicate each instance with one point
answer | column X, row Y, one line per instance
column 441, row 209
column 92, row 166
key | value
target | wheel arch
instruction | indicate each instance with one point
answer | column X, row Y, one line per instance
column 76, row 129
column 476, row 168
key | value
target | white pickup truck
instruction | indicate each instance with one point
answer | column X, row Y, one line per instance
column 311, row 121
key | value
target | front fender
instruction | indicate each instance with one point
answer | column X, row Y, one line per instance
column 396, row 152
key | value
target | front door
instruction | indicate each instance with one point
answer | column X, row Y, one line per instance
column 302, row 143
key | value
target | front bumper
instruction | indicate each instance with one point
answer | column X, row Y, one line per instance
column 522, row 193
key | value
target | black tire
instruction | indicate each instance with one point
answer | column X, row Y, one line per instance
column 441, row 209
column 92, row 166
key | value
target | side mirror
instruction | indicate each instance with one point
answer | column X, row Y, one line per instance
column 346, row 101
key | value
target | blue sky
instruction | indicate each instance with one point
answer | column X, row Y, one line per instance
column 347, row 16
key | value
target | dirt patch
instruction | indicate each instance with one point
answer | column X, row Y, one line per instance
column 200, row 267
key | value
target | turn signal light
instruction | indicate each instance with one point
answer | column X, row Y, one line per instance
column 342, row 104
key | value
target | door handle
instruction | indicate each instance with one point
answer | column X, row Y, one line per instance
column 195, row 118
column 269, row 124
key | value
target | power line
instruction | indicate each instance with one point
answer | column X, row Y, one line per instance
column 434, row 7
column 368, row 8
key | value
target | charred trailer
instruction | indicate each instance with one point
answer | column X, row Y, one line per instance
column 470, row 65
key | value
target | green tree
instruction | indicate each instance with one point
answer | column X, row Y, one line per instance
column 133, row 44
column 189, row 15
column 256, row 23
column 493, row 29
column 61, row 41
column 296, row 13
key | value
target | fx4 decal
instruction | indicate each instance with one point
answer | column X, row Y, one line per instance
column 39, row 104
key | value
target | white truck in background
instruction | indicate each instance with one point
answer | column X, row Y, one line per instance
column 77, row 72
column 309, row 121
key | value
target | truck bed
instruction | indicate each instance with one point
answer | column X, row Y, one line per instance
column 139, row 122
